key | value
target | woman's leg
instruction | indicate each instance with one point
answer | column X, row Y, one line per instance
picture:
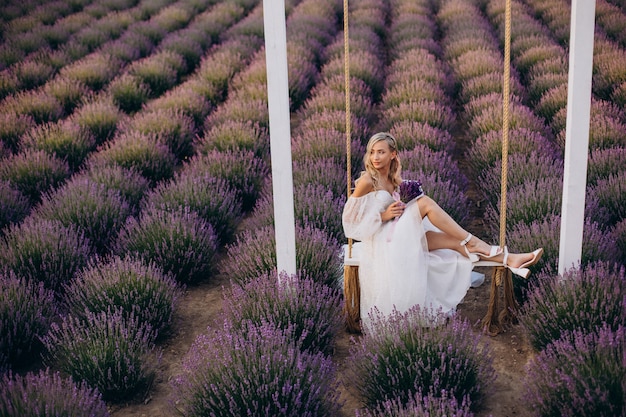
column 452, row 234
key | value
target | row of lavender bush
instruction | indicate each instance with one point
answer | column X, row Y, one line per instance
column 115, row 309
column 271, row 354
column 538, row 73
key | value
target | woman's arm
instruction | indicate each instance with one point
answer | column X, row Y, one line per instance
column 363, row 185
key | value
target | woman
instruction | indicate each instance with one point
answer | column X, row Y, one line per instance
column 411, row 252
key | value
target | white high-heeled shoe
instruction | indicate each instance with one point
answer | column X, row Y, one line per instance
column 523, row 270
column 475, row 256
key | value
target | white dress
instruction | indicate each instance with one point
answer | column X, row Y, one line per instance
column 396, row 270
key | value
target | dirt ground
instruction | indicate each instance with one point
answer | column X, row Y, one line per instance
column 203, row 302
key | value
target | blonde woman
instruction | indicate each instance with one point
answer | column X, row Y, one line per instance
column 412, row 252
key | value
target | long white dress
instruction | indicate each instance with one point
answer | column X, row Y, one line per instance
column 396, row 270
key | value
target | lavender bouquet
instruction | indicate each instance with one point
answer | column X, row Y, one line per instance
column 407, row 191
column 410, row 189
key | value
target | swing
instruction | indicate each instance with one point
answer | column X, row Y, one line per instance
column 496, row 318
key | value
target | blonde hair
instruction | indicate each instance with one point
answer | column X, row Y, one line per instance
column 395, row 166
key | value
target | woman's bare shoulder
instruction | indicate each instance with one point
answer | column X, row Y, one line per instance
column 363, row 185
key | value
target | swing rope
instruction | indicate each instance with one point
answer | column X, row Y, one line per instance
column 351, row 288
column 494, row 321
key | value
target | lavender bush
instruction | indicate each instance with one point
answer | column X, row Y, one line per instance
column 31, row 73
column 12, row 127
column 65, row 140
column 323, row 171
column 136, row 287
column 184, row 45
column 33, row 172
column 487, row 149
column 535, row 55
column 253, row 111
column 45, row 251
column 131, row 185
column 158, row 74
column 336, row 120
column 611, row 193
column 263, row 373
column 110, row 352
column 583, row 376
column 552, row 104
column 136, row 150
column 234, row 136
column 37, row 104
column 619, row 94
column 48, row 394
column 171, row 127
column 180, row 242
column 413, row 91
column 422, row 159
column 14, row 206
column 69, row 92
column 325, row 99
column 243, row 171
column 520, row 117
column 522, row 169
column 605, row 162
column 100, row 117
column 314, row 206
column 404, row 354
column 426, row 111
column 185, row 99
column 326, row 143
column 419, row 405
column 489, row 83
column 597, row 246
column 26, row 311
column 128, row 92
column 619, row 237
column 97, row 210
column 540, row 83
column 533, row 200
column 253, row 254
column 95, row 70
column 474, row 63
column 9, row 84
column 311, row 311
column 213, row 199
column 581, row 300
column 412, row 134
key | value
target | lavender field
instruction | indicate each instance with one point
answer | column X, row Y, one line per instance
column 137, row 264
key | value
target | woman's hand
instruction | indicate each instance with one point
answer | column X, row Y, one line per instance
column 394, row 210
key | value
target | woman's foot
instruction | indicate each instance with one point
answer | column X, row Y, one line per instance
column 518, row 263
column 477, row 249
column 516, row 260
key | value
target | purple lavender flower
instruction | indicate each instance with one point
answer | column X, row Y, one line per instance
column 261, row 373
column 405, row 353
column 578, row 301
column 312, row 310
column 581, row 376
column 47, row 393
column 26, row 311
column 110, row 351
column 410, row 189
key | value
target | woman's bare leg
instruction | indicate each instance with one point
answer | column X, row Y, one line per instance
column 452, row 234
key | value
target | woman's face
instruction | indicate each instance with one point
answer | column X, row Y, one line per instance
column 381, row 155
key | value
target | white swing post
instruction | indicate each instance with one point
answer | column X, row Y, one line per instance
column 275, row 30
column 577, row 133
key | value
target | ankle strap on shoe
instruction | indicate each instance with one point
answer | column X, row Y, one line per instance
column 466, row 240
